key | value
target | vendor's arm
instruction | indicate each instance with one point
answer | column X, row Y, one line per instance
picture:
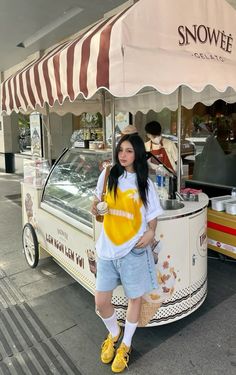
column 175, row 157
column 152, row 166
column 174, row 152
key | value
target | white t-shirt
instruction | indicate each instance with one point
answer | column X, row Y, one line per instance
column 127, row 218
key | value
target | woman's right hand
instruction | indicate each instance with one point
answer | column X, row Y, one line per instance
column 94, row 210
column 146, row 239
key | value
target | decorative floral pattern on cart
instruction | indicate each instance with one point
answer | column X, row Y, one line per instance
column 166, row 277
column 29, row 210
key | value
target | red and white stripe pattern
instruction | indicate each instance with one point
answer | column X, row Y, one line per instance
column 72, row 67
column 137, row 48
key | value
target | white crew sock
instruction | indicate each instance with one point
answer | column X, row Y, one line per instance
column 129, row 332
column 112, row 325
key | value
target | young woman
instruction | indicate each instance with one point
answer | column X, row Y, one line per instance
column 123, row 248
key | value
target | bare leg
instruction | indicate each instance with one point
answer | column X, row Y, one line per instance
column 133, row 311
column 103, row 304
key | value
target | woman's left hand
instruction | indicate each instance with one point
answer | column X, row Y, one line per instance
column 146, row 239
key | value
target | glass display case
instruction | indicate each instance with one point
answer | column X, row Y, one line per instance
column 71, row 183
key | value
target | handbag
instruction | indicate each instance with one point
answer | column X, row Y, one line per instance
column 166, row 278
column 100, row 218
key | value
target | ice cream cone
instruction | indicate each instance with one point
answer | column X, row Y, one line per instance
column 93, row 266
column 92, row 261
column 148, row 310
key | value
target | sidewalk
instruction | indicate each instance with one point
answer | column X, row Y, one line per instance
column 48, row 324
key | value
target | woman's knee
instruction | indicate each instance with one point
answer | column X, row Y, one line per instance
column 135, row 301
column 102, row 300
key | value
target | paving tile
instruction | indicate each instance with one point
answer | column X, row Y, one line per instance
column 54, row 311
column 46, row 285
column 83, row 351
column 13, row 262
column 46, row 269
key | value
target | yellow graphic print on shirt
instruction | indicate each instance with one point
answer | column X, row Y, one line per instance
column 124, row 219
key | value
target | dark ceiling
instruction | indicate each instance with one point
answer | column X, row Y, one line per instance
column 53, row 19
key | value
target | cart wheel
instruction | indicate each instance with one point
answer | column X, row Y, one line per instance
column 30, row 245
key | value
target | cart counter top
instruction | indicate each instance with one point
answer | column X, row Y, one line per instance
column 190, row 207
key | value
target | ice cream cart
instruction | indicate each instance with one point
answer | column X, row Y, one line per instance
column 58, row 223
column 144, row 63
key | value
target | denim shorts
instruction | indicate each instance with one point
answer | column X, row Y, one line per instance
column 135, row 272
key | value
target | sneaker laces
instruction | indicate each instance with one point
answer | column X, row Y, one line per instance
column 121, row 355
column 106, row 343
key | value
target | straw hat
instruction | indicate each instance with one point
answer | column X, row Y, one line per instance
column 129, row 129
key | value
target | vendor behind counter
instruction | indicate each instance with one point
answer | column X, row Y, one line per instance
column 163, row 148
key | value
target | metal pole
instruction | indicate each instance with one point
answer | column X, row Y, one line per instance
column 179, row 118
column 104, row 129
column 113, row 125
column 48, row 128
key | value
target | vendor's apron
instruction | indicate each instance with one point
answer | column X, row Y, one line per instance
column 162, row 156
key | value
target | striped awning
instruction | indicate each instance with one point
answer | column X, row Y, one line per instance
column 62, row 72
column 78, row 66
column 151, row 43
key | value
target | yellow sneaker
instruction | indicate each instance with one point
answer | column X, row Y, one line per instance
column 109, row 348
column 121, row 359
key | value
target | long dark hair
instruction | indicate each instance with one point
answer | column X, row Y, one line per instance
column 140, row 167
